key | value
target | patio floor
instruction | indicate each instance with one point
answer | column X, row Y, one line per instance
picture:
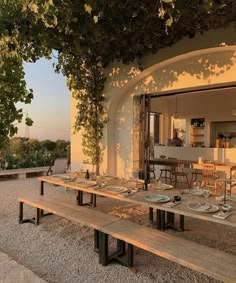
column 62, row 251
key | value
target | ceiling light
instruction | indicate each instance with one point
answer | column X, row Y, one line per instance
column 176, row 114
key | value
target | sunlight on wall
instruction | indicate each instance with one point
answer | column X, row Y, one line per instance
column 189, row 69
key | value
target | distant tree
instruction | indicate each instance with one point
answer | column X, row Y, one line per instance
column 48, row 144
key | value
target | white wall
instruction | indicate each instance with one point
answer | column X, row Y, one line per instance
column 172, row 68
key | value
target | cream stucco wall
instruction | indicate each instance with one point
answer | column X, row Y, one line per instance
column 203, row 60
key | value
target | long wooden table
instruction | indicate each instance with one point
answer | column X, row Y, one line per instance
column 139, row 198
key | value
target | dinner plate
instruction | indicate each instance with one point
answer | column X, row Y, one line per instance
column 157, row 198
column 86, row 183
column 115, row 189
column 213, row 208
column 199, row 207
column 63, row 177
column 199, row 192
column 164, row 186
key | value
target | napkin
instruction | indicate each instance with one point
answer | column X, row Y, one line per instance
column 222, row 215
column 171, row 203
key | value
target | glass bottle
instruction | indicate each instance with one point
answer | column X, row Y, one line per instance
column 87, row 174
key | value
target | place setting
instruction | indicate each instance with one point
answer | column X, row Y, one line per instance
column 203, row 207
column 197, row 190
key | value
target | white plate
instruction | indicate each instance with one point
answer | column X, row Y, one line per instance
column 199, row 207
column 213, row 208
column 157, row 198
column 86, row 183
column 164, row 186
column 115, row 189
column 199, row 192
column 63, row 177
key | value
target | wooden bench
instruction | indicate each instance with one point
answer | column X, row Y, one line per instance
column 24, row 172
column 85, row 216
column 214, row 263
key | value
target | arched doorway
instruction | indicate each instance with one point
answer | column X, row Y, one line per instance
column 208, row 67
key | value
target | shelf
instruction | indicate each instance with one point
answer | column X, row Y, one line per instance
column 193, row 127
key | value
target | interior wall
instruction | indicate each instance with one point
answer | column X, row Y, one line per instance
column 213, row 106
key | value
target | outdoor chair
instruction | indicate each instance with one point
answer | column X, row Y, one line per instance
column 195, row 174
column 152, row 171
column 166, row 172
column 60, row 166
column 210, row 179
column 179, row 175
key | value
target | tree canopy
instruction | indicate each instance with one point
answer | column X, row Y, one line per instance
column 88, row 35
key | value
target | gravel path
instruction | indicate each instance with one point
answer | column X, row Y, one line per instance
column 62, row 251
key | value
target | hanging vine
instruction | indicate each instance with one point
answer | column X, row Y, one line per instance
column 87, row 88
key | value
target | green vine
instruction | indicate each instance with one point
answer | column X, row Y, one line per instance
column 87, row 87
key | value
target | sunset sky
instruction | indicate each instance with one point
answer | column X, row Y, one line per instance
column 50, row 108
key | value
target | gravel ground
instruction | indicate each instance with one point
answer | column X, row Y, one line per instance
column 61, row 251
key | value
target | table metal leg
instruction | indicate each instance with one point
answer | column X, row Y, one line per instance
column 181, row 222
column 150, row 215
column 80, row 198
column 41, row 192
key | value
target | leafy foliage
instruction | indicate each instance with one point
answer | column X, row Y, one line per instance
column 90, row 34
column 12, row 90
column 25, row 153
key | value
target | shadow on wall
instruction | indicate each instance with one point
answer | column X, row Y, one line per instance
column 125, row 81
column 199, row 68
column 124, row 137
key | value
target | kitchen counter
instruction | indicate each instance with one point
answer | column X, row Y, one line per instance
column 192, row 153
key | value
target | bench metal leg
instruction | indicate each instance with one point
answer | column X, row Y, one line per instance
column 21, row 215
column 103, row 248
column 121, row 247
column 96, row 240
column 105, row 258
column 41, row 192
column 34, row 220
column 38, row 214
column 130, row 252
column 21, row 204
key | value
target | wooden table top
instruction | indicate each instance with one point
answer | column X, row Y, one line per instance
column 139, row 197
column 170, row 161
column 216, row 163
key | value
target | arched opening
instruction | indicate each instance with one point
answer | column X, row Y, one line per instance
column 193, row 70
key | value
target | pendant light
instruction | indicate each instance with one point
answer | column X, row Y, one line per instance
column 176, row 114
